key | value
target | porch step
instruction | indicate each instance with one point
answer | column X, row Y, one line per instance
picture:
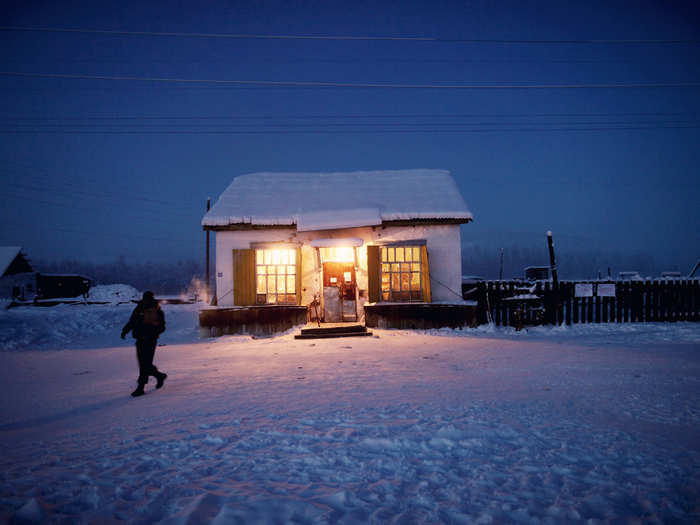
column 333, row 331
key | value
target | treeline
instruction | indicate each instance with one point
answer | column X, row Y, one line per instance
column 571, row 264
column 160, row 277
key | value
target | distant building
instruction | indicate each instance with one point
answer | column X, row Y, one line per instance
column 340, row 240
column 17, row 277
column 20, row 282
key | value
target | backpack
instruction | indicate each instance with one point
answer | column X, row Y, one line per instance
column 150, row 317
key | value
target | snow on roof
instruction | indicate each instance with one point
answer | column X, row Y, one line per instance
column 7, row 255
column 319, row 201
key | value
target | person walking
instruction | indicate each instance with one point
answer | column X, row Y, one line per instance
column 146, row 323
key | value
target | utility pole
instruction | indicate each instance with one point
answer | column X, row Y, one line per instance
column 555, row 277
column 208, row 286
column 500, row 271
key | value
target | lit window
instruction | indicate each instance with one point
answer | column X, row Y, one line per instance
column 401, row 273
column 275, row 276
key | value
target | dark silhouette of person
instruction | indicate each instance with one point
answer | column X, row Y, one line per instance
column 146, row 323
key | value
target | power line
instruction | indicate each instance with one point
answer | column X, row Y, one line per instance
column 102, row 234
column 362, row 85
column 340, row 132
column 352, row 116
column 44, row 175
column 363, row 60
column 247, row 36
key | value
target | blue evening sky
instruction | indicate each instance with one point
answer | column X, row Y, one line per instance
column 94, row 168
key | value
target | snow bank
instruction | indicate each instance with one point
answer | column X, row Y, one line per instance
column 71, row 326
column 478, row 426
column 403, row 428
column 113, row 293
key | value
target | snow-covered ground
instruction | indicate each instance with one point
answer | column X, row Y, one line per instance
column 585, row 424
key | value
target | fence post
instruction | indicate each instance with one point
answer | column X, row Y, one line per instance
column 606, row 302
column 497, row 303
column 613, row 306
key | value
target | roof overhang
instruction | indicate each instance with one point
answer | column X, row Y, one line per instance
column 335, row 243
column 384, row 224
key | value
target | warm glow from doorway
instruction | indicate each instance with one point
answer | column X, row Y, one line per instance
column 338, row 254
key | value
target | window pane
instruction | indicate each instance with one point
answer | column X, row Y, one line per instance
column 409, row 254
column 292, row 256
column 390, row 254
column 260, row 270
column 284, row 257
column 385, row 285
column 270, row 270
column 292, row 299
column 385, row 296
column 260, row 298
column 271, row 284
column 416, row 253
column 384, row 254
column 271, row 298
column 399, row 254
column 291, row 284
column 291, row 270
column 415, row 267
column 261, row 284
column 405, row 281
column 415, row 281
column 385, row 267
column 395, row 282
column 281, row 284
column 395, row 267
column 405, row 267
column 268, row 256
column 259, row 257
column 280, row 270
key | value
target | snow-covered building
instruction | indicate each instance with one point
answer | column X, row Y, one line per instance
column 338, row 241
column 17, row 278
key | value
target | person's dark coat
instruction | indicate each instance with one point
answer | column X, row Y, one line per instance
column 147, row 321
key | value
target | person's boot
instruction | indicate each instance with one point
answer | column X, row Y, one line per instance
column 160, row 378
column 138, row 392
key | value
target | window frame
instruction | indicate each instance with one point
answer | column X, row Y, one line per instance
column 398, row 271
column 268, row 268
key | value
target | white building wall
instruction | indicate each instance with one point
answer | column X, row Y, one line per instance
column 443, row 244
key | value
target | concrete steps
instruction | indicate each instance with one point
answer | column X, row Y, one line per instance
column 325, row 332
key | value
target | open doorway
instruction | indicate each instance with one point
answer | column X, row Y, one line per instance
column 338, row 266
column 339, row 292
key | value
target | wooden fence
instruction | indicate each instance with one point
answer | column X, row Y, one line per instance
column 518, row 303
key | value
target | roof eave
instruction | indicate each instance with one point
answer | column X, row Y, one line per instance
column 241, row 226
